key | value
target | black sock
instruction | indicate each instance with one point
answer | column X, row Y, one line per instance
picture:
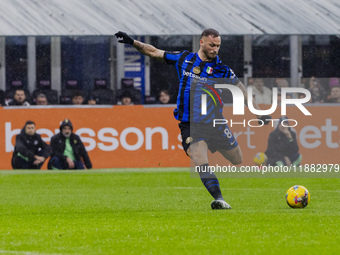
column 210, row 181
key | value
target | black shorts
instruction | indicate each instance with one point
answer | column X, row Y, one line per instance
column 217, row 138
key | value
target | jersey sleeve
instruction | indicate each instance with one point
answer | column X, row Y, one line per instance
column 172, row 57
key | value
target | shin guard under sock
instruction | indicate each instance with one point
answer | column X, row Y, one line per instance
column 210, row 181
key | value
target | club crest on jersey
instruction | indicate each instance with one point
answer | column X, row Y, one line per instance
column 209, row 70
column 196, row 70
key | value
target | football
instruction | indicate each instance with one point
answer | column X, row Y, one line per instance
column 260, row 159
column 297, row 197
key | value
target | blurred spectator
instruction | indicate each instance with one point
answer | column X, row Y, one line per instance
column 68, row 151
column 77, row 97
column 128, row 86
column 30, row 151
column 318, row 93
column 41, row 99
column 125, row 98
column 282, row 83
column 19, row 99
column 334, row 96
column 261, row 93
column 163, row 97
column 302, row 95
column 303, row 83
column 289, row 96
column 91, row 100
column 283, row 148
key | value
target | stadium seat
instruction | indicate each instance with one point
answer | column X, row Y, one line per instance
column 65, row 99
column 17, row 84
column 102, row 92
column 44, row 87
column 150, row 99
column 67, row 93
column 105, row 96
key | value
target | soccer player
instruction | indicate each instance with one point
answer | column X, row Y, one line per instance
column 195, row 71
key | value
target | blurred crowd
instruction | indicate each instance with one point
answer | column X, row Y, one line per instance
column 101, row 94
column 322, row 91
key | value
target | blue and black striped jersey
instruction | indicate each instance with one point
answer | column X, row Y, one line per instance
column 197, row 77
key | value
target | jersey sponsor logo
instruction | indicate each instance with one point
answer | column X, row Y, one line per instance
column 190, row 74
column 187, row 61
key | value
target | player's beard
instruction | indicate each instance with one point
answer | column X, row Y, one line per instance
column 210, row 55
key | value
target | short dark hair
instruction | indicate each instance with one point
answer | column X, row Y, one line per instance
column 77, row 93
column 126, row 93
column 29, row 122
column 210, row 31
column 165, row 91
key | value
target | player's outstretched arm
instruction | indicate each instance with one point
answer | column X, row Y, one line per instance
column 143, row 48
column 265, row 118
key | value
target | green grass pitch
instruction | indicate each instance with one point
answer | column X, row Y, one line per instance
column 162, row 211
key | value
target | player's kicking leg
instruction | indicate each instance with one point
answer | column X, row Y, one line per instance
column 198, row 152
column 234, row 155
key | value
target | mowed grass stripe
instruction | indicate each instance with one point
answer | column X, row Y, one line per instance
column 142, row 211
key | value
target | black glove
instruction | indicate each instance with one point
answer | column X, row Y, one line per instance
column 126, row 38
column 265, row 118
